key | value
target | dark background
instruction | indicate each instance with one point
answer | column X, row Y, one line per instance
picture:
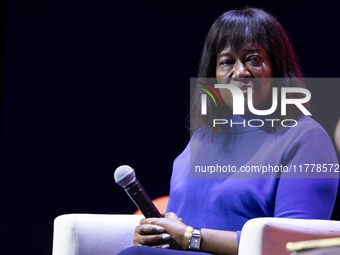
column 90, row 85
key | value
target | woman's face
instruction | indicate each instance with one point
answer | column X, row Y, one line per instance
column 245, row 68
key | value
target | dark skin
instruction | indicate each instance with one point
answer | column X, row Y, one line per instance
column 247, row 67
column 232, row 67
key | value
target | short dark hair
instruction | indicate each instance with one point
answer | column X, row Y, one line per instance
column 235, row 28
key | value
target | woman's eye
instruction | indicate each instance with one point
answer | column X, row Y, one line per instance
column 254, row 58
column 226, row 62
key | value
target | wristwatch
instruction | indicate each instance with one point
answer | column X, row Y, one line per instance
column 195, row 239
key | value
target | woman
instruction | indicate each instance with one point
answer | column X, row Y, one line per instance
column 245, row 48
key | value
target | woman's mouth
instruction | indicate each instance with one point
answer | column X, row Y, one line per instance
column 244, row 87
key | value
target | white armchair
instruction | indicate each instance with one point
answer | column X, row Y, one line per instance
column 93, row 234
column 98, row 234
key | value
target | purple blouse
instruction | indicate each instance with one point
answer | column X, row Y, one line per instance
column 270, row 175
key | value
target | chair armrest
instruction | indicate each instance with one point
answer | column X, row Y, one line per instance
column 264, row 236
column 92, row 234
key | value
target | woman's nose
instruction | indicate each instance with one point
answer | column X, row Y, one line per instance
column 240, row 71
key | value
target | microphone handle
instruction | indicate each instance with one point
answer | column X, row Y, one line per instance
column 142, row 200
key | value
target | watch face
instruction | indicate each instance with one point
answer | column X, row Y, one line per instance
column 195, row 240
column 194, row 243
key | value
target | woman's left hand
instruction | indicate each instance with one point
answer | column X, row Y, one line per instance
column 172, row 225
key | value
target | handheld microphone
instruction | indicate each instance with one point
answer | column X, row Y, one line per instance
column 125, row 176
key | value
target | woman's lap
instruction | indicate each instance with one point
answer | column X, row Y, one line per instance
column 142, row 250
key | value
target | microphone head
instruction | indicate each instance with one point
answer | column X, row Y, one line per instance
column 124, row 175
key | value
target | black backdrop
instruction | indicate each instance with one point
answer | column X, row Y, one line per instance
column 91, row 85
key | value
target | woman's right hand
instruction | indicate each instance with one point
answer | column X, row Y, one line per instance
column 151, row 235
column 164, row 232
